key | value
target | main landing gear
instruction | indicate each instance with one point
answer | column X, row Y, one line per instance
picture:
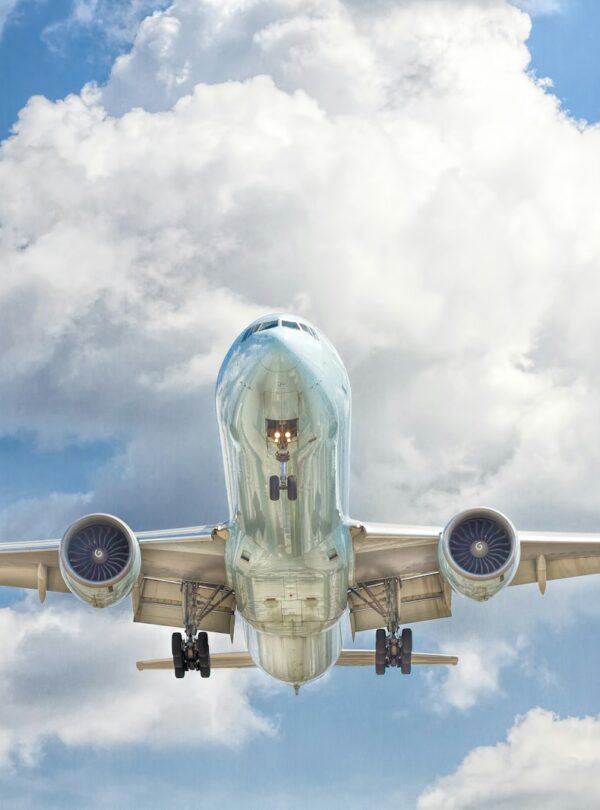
column 282, row 432
column 191, row 654
column 393, row 650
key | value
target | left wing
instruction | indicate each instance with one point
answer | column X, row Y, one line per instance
column 181, row 569
column 397, row 573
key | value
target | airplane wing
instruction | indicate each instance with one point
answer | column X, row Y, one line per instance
column 177, row 565
column 396, row 570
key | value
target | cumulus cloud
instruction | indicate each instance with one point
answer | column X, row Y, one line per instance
column 340, row 188
column 546, row 761
column 478, row 674
column 505, row 639
column 391, row 171
column 110, row 21
column 68, row 674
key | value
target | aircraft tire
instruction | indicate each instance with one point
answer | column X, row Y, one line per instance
column 292, row 488
column 380, row 651
column 202, row 649
column 406, row 651
column 177, row 651
column 274, row 487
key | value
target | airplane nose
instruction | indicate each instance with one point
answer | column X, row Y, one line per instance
column 279, row 359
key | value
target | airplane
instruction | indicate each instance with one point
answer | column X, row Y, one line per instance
column 289, row 560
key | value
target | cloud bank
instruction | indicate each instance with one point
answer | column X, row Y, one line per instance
column 397, row 176
column 392, row 172
column 546, row 761
column 68, row 674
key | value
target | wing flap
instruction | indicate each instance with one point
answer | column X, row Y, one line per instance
column 31, row 565
column 556, row 555
column 419, row 598
column 28, row 576
column 161, row 602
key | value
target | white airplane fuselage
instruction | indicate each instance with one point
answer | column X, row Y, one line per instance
column 288, row 560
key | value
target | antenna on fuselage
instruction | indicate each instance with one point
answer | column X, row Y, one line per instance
column 296, row 688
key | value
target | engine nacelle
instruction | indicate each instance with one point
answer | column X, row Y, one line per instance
column 100, row 559
column 479, row 552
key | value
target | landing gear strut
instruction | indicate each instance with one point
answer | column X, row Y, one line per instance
column 393, row 650
column 191, row 654
column 282, row 432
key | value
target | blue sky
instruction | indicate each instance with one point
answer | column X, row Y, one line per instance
column 126, row 234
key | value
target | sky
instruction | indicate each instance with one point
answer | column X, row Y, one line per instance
column 418, row 178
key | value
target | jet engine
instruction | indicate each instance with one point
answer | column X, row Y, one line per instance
column 479, row 552
column 100, row 559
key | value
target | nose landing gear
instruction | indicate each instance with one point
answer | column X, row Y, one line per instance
column 282, row 433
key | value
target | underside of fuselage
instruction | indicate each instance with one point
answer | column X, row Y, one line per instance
column 283, row 402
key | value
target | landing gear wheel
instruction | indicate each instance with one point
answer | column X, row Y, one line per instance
column 292, row 488
column 203, row 654
column 406, row 651
column 177, row 650
column 380, row 651
column 274, row 487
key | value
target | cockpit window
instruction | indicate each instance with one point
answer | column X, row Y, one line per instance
column 260, row 327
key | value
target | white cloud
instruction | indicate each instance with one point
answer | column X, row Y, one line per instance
column 477, row 676
column 68, row 674
column 392, row 172
column 546, row 762
column 110, row 21
column 503, row 639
